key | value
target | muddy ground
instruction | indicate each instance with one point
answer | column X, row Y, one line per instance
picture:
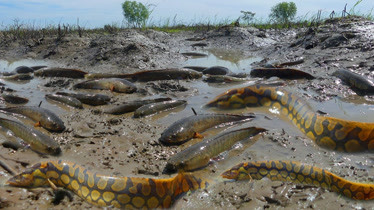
column 124, row 146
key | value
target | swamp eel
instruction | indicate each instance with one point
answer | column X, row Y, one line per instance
column 100, row 190
column 296, row 172
column 325, row 131
column 60, row 72
column 358, row 83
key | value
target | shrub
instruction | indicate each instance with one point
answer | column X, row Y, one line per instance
column 136, row 13
column 283, row 12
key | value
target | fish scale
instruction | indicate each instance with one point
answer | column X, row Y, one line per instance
column 298, row 173
column 101, row 190
column 328, row 132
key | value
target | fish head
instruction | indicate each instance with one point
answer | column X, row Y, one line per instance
column 237, row 172
column 34, row 176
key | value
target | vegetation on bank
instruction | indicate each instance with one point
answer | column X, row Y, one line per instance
column 137, row 15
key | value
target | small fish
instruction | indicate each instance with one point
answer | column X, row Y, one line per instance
column 153, row 108
column 276, row 64
column 284, row 73
column 68, row 100
column 165, row 74
column 13, row 99
column 131, row 106
column 199, row 155
column 60, row 72
column 223, row 78
column 358, row 83
column 37, row 67
column 196, row 68
column 42, row 117
column 105, row 75
column 217, row 70
column 113, row 84
column 90, row 99
column 190, row 127
column 17, row 77
column 23, row 70
column 37, row 140
column 194, row 54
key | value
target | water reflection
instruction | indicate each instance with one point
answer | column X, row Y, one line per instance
column 232, row 59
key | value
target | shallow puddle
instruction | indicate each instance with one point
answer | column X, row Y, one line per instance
column 231, row 59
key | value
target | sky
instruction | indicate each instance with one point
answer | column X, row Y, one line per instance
column 97, row 13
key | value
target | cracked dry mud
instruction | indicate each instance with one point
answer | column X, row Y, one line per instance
column 123, row 146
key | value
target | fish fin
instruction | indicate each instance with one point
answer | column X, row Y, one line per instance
column 38, row 124
column 51, row 184
column 198, row 135
column 111, row 87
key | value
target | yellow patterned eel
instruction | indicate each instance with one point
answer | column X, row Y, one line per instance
column 325, row 131
column 299, row 173
column 100, row 190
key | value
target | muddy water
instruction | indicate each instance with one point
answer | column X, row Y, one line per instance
column 119, row 148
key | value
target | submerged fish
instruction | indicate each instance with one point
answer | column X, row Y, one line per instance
column 37, row 140
column 199, row 155
column 43, row 117
column 165, row 74
column 153, row 108
column 113, row 84
column 190, row 127
column 284, row 73
column 195, row 54
column 13, row 99
column 90, row 99
column 68, row 100
column 358, row 83
column 60, row 72
column 131, row 106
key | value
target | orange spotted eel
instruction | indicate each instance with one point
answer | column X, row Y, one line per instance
column 100, row 190
column 325, row 131
column 299, row 173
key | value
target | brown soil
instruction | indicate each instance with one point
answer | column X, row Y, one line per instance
column 124, row 146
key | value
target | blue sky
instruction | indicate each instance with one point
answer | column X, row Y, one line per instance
column 97, row 13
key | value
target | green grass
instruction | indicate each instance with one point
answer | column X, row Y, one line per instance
column 24, row 31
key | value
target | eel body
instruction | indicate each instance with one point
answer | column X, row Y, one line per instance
column 325, row 131
column 296, row 172
column 101, row 190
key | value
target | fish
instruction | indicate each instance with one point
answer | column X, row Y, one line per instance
column 198, row 155
column 90, row 99
column 13, row 99
column 284, row 73
column 282, row 65
column 112, row 84
column 38, row 141
column 60, row 72
column 68, row 100
column 17, row 77
column 196, row 68
column 194, row 54
column 105, row 75
column 217, row 70
column 37, row 67
column 153, row 108
column 327, row 132
column 108, row 191
column 191, row 127
column 165, row 74
column 299, row 173
column 224, row 78
column 23, row 70
column 131, row 106
column 43, row 117
column 358, row 83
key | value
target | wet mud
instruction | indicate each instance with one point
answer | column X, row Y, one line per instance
column 124, row 146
